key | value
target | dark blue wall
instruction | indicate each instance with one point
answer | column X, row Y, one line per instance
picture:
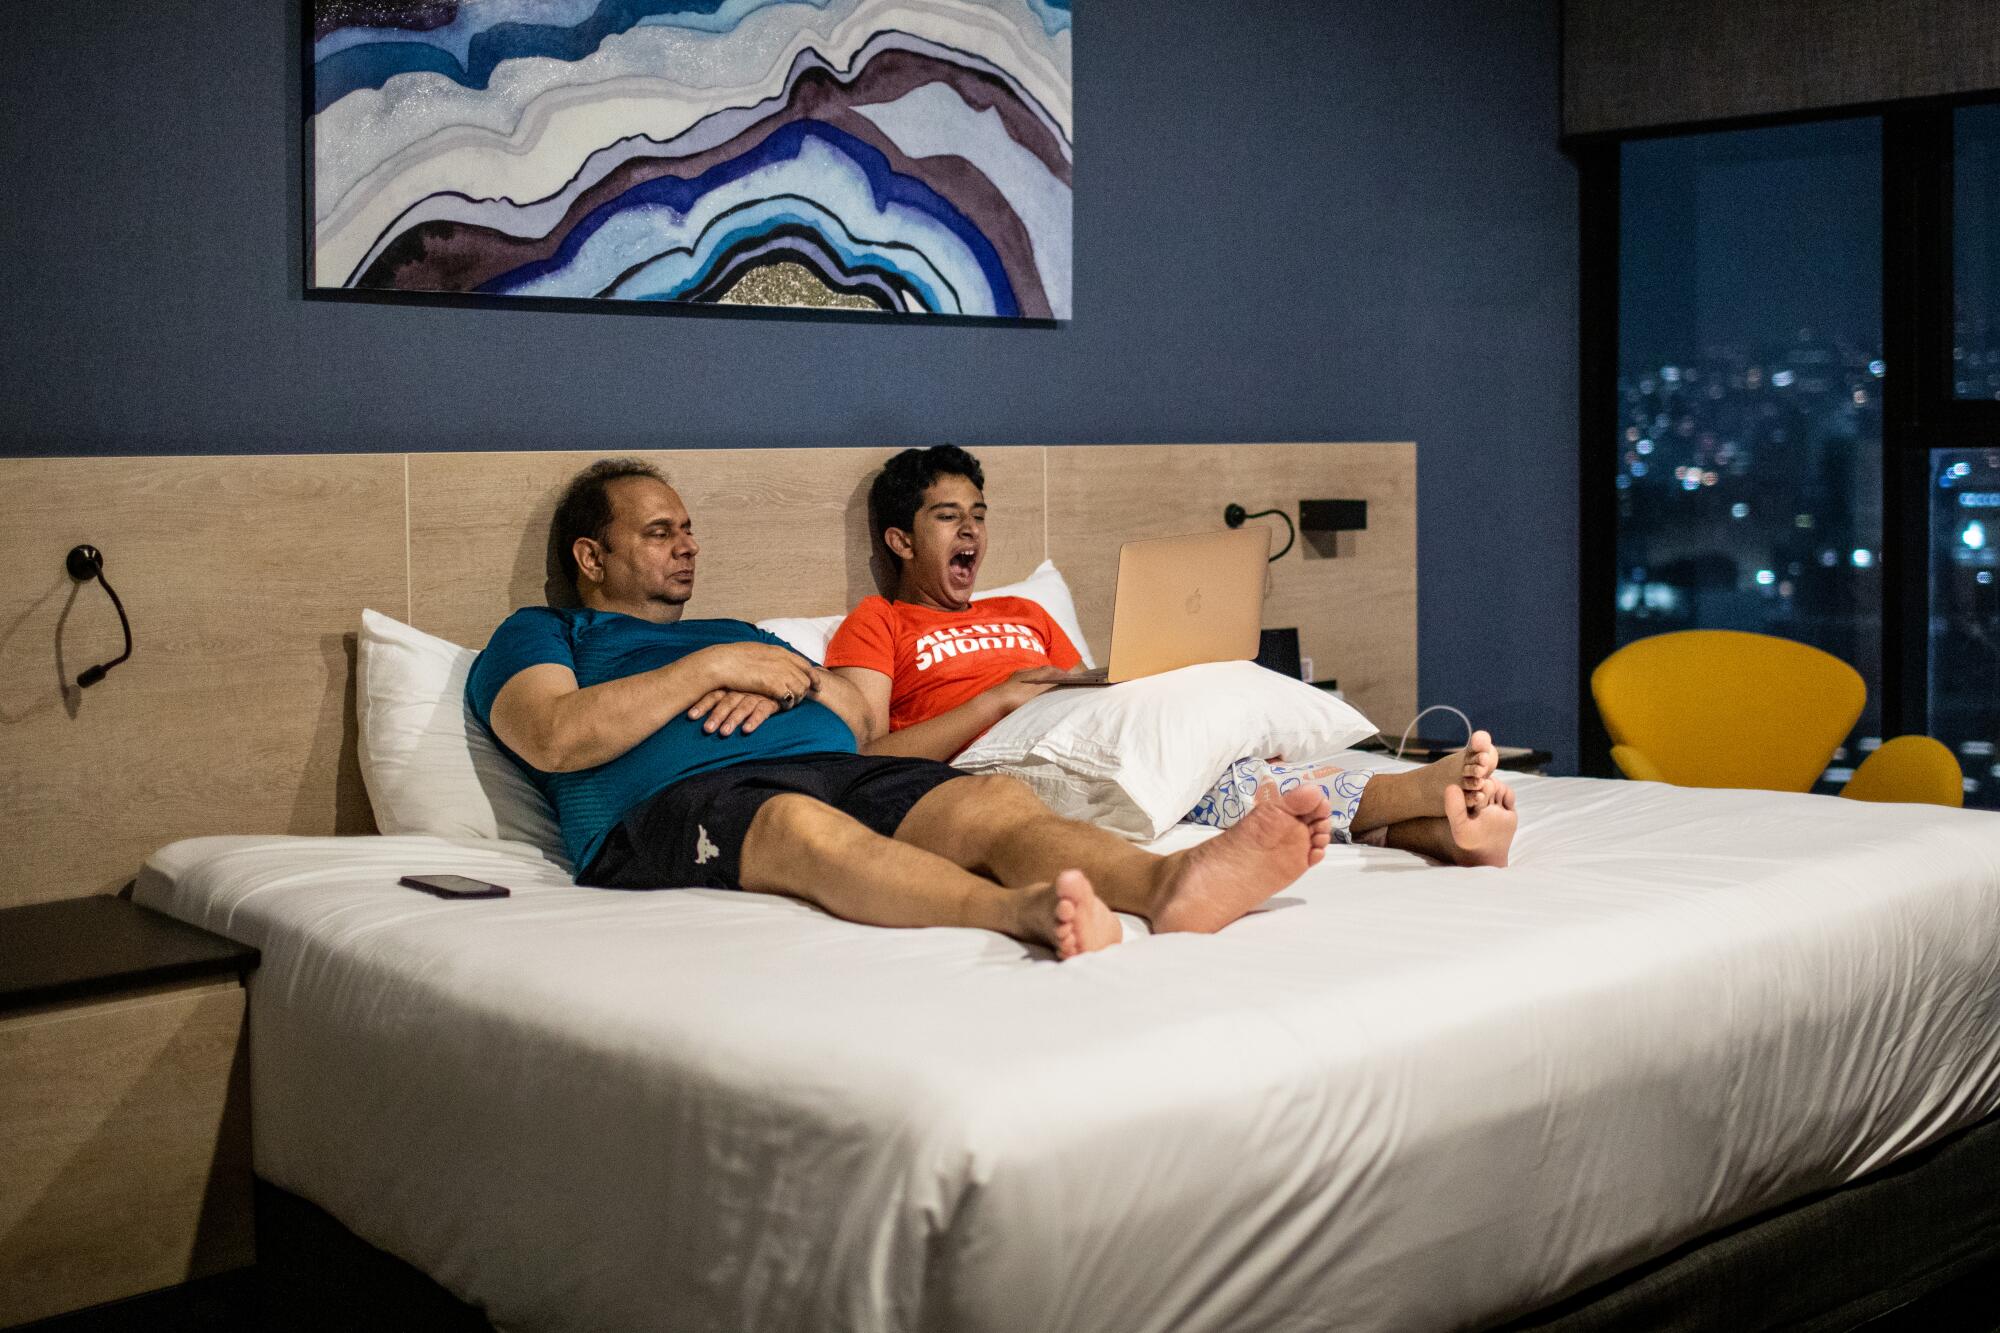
column 1295, row 220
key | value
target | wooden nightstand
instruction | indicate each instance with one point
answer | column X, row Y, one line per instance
column 124, row 1105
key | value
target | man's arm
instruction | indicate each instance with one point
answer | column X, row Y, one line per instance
column 543, row 716
column 726, row 710
column 850, row 705
column 946, row 734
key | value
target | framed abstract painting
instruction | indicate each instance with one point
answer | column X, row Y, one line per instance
column 911, row 156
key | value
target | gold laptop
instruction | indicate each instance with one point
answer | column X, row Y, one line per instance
column 1183, row 601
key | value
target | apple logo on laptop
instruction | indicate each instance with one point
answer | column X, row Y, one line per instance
column 1194, row 602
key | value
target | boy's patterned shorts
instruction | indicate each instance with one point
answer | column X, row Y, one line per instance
column 1235, row 792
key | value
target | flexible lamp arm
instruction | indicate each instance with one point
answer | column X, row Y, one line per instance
column 85, row 563
column 1235, row 517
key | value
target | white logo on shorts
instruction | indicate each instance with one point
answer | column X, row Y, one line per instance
column 704, row 850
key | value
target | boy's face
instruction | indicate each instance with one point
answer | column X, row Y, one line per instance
column 945, row 546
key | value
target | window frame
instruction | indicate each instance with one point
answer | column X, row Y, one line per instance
column 1920, row 408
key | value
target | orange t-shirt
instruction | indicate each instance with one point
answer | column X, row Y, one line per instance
column 936, row 660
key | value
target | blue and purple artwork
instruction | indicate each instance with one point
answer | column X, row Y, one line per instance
column 895, row 155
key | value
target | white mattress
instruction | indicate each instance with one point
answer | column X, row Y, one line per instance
column 1402, row 1097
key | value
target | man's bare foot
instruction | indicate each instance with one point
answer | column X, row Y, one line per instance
column 1211, row 884
column 1069, row 917
column 1481, row 837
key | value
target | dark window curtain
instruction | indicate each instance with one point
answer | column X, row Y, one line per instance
column 1638, row 64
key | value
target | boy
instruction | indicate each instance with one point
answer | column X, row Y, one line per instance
column 936, row 671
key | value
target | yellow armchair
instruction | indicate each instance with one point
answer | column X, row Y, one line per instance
column 1722, row 708
column 1909, row 768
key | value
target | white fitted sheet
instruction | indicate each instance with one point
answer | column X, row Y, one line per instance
column 1402, row 1097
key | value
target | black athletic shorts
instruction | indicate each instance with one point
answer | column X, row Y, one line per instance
column 690, row 834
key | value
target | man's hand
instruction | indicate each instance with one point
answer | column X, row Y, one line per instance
column 727, row 710
column 758, row 668
column 771, row 680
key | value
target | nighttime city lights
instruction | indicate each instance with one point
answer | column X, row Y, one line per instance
column 1750, row 392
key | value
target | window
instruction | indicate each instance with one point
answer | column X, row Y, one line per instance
column 1976, row 252
column 1956, row 424
column 1791, row 424
column 1749, row 391
column 1965, row 613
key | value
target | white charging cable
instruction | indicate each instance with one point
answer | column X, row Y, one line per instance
column 1403, row 744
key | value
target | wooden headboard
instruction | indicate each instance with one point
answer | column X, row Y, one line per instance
column 245, row 577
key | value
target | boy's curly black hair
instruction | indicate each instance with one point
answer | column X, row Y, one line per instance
column 899, row 487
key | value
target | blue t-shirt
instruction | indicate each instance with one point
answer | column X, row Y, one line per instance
column 608, row 645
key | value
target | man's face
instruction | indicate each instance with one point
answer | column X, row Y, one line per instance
column 942, row 552
column 644, row 564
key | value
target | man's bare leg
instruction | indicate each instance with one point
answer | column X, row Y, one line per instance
column 1462, row 836
column 804, row 848
column 1418, row 793
column 997, row 826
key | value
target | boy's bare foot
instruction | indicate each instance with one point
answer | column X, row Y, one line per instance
column 1481, row 837
column 1467, row 769
column 1418, row 793
column 1210, row 885
column 1069, row 917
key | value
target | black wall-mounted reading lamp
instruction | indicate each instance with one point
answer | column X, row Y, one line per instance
column 86, row 563
column 1234, row 515
column 1322, row 521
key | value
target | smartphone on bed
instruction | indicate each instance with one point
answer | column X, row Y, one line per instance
column 454, row 886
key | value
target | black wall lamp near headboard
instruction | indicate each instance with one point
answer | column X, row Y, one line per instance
column 85, row 563
column 1322, row 522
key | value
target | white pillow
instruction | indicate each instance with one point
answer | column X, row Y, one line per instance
column 1046, row 588
column 809, row 634
column 429, row 766
column 1136, row 757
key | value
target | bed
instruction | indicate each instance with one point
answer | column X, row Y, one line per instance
column 1400, row 1097
column 1571, row 1094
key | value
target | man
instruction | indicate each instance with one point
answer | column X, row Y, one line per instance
column 709, row 753
column 928, row 507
